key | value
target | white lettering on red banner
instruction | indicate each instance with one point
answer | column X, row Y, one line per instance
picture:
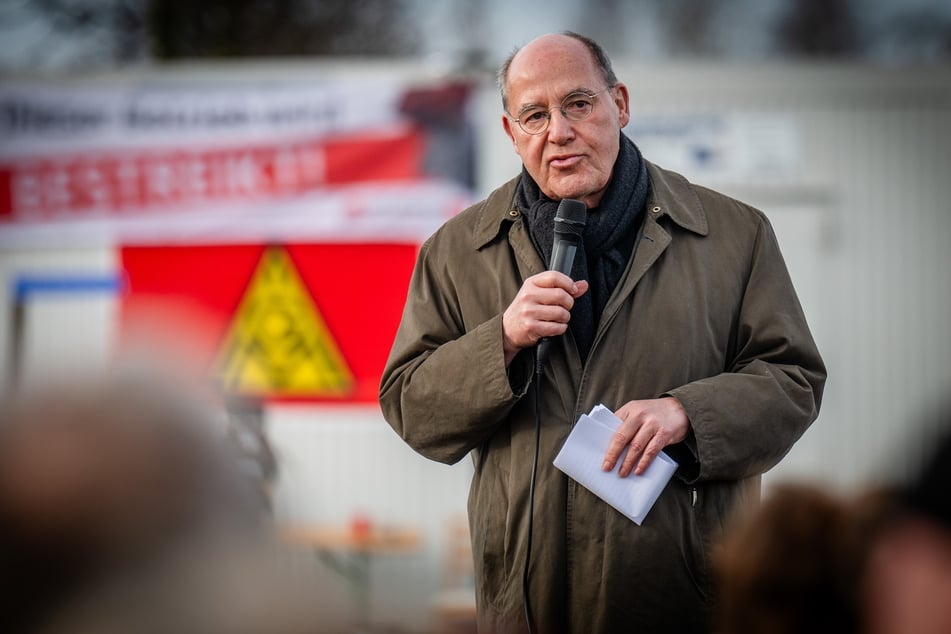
column 125, row 182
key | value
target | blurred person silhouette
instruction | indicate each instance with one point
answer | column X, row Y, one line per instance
column 790, row 565
column 878, row 562
column 907, row 576
column 679, row 315
column 123, row 509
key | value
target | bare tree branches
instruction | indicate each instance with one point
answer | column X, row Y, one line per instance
column 251, row 28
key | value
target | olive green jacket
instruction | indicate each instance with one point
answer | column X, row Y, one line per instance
column 705, row 312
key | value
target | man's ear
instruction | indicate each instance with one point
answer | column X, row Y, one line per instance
column 622, row 100
column 510, row 131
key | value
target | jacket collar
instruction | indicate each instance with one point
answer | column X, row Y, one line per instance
column 671, row 195
column 674, row 196
column 498, row 210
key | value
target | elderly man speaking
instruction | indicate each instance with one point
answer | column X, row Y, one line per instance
column 678, row 315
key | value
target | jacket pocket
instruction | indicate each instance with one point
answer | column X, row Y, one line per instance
column 700, row 538
column 488, row 513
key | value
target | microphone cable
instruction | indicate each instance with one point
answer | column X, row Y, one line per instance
column 570, row 219
column 526, row 601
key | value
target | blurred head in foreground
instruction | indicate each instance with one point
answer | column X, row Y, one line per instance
column 122, row 510
column 809, row 561
column 788, row 566
column 907, row 578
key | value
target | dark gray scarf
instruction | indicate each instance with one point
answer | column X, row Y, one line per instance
column 608, row 235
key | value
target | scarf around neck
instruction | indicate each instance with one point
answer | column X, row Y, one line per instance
column 608, row 239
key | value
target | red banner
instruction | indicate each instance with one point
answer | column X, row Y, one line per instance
column 301, row 321
column 107, row 183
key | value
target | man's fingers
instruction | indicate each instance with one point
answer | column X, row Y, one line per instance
column 653, row 448
column 636, row 447
column 640, row 454
column 540, row 309
column 554, row 279
column 647, row 427
column 618, row 443
column 546, row 296
column 642, row 447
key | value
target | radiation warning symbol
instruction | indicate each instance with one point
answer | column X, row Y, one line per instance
column 277, row 343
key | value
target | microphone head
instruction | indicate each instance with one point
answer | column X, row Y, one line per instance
column 573, row 211
column 570, row 218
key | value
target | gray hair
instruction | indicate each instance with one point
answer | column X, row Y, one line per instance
column 597, row 52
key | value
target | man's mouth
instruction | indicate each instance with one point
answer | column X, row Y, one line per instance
column 565, row 161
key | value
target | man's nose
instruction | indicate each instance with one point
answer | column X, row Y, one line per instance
column 559, row 127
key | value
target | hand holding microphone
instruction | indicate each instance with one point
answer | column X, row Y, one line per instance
column 569, row 226
column 541, row 309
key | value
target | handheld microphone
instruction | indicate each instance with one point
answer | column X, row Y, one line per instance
column 569, row 225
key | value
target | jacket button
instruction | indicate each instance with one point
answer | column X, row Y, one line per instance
column 514, row 213
column 655, row 209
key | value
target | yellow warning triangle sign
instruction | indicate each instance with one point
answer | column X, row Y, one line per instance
column 277, row 343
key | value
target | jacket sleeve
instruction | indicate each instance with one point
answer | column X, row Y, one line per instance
column 747, row 418
column 445, row 388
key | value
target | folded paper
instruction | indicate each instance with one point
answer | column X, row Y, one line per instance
column 583, row 453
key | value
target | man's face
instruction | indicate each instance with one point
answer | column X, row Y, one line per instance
column 570, row 159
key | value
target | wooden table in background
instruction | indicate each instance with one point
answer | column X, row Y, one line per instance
column 349, row 549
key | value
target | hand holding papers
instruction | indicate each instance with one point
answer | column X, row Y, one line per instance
column 581, row 457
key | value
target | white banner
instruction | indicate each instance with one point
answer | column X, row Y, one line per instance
column 127, row 161
column 40, row 119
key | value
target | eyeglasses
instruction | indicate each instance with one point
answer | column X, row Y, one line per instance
column 577, row 106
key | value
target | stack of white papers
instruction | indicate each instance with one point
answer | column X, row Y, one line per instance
column 583, row 453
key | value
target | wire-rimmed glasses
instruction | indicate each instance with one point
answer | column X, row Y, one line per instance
column 577, row 106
